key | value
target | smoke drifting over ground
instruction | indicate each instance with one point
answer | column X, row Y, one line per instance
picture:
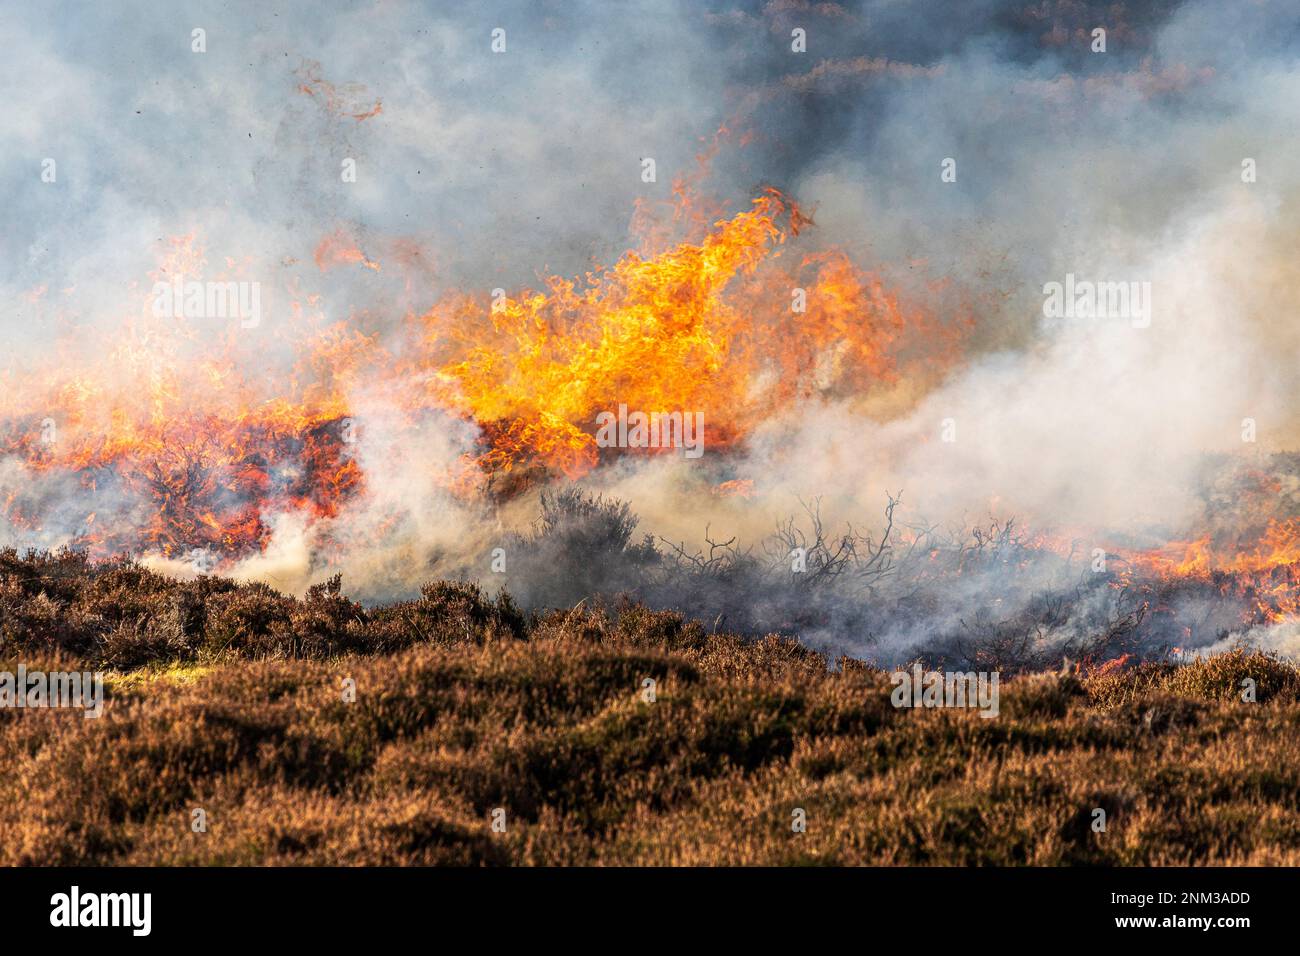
column 1156, row 437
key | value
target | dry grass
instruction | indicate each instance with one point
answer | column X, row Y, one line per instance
column 464, row 706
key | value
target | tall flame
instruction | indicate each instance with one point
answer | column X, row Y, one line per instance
column 715, row 327
column 724, row 323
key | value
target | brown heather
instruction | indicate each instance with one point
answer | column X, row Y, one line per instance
column 227, row 697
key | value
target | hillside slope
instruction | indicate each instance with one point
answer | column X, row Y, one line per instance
column 464, row 706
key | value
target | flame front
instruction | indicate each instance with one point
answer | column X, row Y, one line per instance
column 707, row 327
column 163, row 444
column 204, row 452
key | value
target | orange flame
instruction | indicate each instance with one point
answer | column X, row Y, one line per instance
column 727, row 327
column 725, row 323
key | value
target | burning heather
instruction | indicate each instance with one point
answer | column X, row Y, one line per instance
column 843, row 379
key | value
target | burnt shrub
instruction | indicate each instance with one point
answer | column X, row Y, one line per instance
column 581, row 548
